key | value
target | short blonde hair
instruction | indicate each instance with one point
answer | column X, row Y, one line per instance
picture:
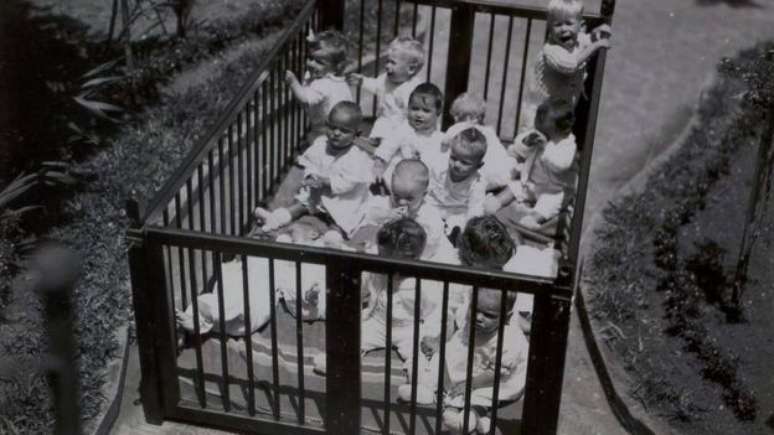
column 467, row 105
column 410, row 47
column 413, row 170
column 472, row 141
column 564, row 8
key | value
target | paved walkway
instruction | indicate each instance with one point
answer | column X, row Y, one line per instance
column 663, row 53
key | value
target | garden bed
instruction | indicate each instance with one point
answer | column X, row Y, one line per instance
column 110, row 159
column 695, row 359
column 91, row 219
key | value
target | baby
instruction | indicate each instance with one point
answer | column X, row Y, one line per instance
column 459, row 190
column 485, row 243
column 232, row 283
column 468, row 111
column 548, row 170
column 560, row 69
column 417, row 137
column 513, row 369
column 405, row 58
column 336, row 178
column 408, row 189
column 324, row 85
column 403, row 239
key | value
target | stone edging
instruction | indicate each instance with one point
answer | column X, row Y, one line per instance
column 114, row 387
column 611, row 374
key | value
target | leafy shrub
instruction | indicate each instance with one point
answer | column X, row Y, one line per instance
column 144, row 154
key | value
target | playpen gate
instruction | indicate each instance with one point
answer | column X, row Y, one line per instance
column 179, row 241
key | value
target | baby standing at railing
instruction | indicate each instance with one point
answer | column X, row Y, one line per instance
column 560, row 69
column 324, row 84
column 405, row 58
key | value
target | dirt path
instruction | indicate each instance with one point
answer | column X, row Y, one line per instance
column 663, row 53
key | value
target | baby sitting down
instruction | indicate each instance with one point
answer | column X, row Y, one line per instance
column 336, row 178
column 408, row 189
column 459, row 190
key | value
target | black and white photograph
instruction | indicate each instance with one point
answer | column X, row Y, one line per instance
column 500, row 217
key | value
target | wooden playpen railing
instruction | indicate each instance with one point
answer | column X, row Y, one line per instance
column 197, row 218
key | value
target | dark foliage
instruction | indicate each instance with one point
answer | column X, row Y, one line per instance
column 643, row 229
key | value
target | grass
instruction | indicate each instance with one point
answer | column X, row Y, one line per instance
column 140, row 155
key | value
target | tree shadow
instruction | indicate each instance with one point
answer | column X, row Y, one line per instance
column 736, row 4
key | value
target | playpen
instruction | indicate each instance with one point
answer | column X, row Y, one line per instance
column 201, row 216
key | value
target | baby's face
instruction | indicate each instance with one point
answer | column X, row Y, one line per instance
column 488, row 307
column 462, row 162
column 564, row 30
column 318, row 64
column 422, row 115
column 342, row 129
column 399, row 67
column 408, row 194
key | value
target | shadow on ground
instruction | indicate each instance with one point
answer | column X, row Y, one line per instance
column 731, row 3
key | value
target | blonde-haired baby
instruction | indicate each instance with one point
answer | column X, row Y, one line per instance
column 560, row 69
column 408, row 190
column 459, row 190
column 468, row 110
column 324, row 84
column 405, row 58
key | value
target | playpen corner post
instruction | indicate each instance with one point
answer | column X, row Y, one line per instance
column 460, row 48
column 606, row 10
column 342, row 344
column 331, row 14
column 150, row 393
column 545, row 372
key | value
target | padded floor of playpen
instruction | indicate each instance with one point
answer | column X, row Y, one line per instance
column 373, row 369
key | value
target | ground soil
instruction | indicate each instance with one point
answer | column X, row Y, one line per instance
column 751, row 341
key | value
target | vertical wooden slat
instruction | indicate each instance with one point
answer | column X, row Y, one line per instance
column 505, row 74
column 332, row 14
column 217, row 261
column 442, row 358
column 180, row 258
column 415, row 355
column 222, row 179
column 300, row 348
column 388, row 354
column 460, row 49
column 232, row 200
column 241, row 216
column 199, row 377
column 499, row 358
column 523, row 77
column 162, row 302
column 360, row 47
column 489, row 55
column 342, row 348
column 548, row 344
column 471, row 348
column 274, row 348
column 144, row 316
column 378, row 53
column 248, row 337
column 264, row 141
